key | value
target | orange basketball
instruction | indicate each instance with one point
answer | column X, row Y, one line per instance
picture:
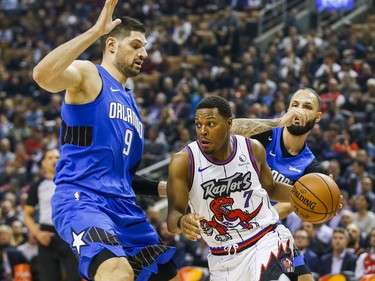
column 315, row 198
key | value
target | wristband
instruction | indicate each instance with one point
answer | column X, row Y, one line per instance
column 179, row 222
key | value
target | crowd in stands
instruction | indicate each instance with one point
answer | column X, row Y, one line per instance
column 197, row 48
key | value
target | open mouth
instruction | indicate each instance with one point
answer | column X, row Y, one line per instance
column 204, row 142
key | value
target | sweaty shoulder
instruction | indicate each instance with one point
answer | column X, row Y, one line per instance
column 89, row 86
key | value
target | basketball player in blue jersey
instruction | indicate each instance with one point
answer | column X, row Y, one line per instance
column 226, row 182
column 102, row 136
column 287, row 153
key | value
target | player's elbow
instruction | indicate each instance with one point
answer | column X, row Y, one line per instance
column 44, row 81
column 38, row 75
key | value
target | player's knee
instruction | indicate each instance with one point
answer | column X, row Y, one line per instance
column 116, row 268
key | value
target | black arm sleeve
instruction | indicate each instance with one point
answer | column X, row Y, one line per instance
column 314, row 167
column 264, row 138
column 145, row 186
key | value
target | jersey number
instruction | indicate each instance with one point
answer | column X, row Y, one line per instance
column 128, row 141
column 248, row 194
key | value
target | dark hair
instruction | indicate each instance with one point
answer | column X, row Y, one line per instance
column 341, row 230
column 216, row 102
column 314, row 93
column 126, row 26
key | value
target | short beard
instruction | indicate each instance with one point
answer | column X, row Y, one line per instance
column 297, row 130
column 127, row 70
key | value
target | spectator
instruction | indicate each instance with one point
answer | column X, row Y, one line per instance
column 10, row 256
column 354, row 243
column 30, row 250
column 19, row 236
column 8, row 214
column 366, row 261
column 367, row 190
column 340, row 260
column 156, row 147
column 346, row 218
column 319, row 245
column 160, row 102
column 6, row 156
column 183, row 140
column 302, row 241
column 332, row 95
column 355, row 176
column 363, row 217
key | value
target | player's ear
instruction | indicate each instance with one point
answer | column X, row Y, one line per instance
column 229, row 122
column 318, row 116
column 111, row 44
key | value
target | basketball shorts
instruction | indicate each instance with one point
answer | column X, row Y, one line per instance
column 267, row 259
column 90, row 223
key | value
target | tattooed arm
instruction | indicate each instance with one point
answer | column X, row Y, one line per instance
column 249, row 127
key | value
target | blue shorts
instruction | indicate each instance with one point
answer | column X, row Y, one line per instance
column 91, row 222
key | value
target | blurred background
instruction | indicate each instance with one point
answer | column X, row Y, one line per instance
column 254, row 53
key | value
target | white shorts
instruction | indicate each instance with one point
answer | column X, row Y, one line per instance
column 270, row 257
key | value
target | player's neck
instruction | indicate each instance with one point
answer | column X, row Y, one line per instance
column 293, row 144
column 224, row 153
column 114, row 72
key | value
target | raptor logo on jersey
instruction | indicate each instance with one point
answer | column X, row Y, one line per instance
column 225, row 218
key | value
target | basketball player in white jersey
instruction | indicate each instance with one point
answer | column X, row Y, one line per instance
column 225, row 181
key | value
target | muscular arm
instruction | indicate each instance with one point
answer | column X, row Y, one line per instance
column 178, row 196
column 177, row 189
column 249, row 127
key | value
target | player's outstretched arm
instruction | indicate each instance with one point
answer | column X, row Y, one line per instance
column 250, row 127
column 55, row 72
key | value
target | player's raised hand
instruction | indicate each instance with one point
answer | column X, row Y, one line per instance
column 105, row 23
column 294, row 114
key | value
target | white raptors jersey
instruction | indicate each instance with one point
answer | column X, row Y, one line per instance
column 229, row 195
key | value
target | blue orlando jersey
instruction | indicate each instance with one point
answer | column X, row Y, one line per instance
column 101, row 141
column 286, row 169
